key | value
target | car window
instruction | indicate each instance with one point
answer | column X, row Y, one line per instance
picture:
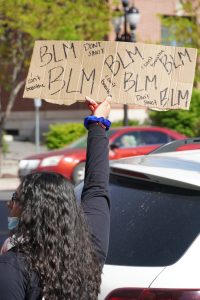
column 128, row 139
column 151, row 224
column 82, row 142
column 154, row 137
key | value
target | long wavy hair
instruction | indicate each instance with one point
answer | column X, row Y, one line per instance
column 55, row 239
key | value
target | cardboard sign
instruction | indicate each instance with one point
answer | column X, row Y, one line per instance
column 155, row 76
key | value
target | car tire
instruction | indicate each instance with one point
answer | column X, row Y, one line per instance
column 79, row 173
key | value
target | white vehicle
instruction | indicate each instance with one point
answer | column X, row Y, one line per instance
column 154, row 251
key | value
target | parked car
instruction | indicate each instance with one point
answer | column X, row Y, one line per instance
column 155, row 227
column 124, row 142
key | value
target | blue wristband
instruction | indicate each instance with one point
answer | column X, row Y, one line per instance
column 93, row 119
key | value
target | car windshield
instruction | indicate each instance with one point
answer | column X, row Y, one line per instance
column 82, row 142
column 151, row 224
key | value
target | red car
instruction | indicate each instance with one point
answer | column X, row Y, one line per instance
column 124, row 142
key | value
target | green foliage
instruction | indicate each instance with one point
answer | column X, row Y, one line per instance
column 56, row 19
column 24, row 21
column 120, row 123
column 61, row 135
column 3, row 143
column 186, row 122
column 185, row 30
column 5, row 147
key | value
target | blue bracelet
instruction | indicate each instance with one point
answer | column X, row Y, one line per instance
column 93, row 119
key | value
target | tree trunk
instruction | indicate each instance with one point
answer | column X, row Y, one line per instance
column 11, row 101
column 4, row 115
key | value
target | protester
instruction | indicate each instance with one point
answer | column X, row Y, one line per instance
column 59, row 248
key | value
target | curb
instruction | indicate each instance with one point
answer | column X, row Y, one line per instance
column 6, row 175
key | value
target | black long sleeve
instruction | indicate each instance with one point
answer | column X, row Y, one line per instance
column 14, row 281
column 95, row 195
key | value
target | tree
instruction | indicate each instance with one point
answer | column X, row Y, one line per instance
column 24, row 21
column 185, row 29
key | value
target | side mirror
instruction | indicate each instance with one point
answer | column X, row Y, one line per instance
column 114, row 146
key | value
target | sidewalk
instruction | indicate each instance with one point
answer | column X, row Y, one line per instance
column 9, row 184
column 18, row 150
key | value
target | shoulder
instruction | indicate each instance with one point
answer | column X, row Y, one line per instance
column 13, row 275
column 8, row 256
column 13, row 261
column 14, row 278
column 7, row 245
column 11, row 256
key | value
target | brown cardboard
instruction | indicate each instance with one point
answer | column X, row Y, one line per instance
column 154, row 76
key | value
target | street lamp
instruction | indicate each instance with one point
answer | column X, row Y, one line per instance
column 131, row 16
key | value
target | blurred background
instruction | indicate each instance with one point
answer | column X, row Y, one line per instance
column 32, row 126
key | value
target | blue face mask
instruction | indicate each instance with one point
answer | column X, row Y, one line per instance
column 12, row 222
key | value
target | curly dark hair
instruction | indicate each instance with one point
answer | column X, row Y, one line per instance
column 56, row 241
